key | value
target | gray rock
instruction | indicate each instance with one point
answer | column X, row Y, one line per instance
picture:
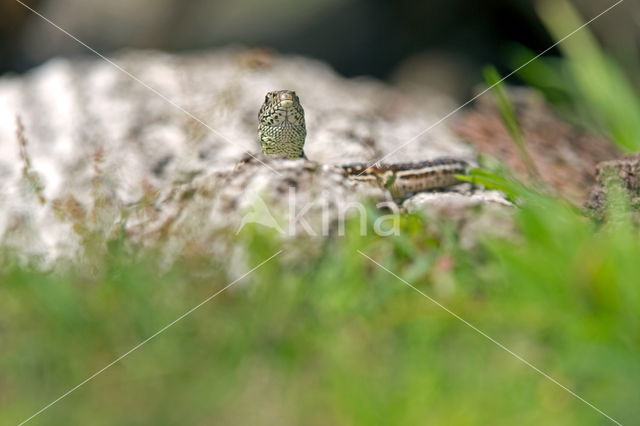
column 159, row 146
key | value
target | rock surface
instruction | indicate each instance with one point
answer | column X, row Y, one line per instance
column 621, row 173
column 157, row 144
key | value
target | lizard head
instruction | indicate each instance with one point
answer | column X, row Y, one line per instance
column 281, row 124
column 282, row 99
column 281, row 108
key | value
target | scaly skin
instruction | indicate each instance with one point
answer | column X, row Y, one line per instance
column 401, row 179
column 281, row 126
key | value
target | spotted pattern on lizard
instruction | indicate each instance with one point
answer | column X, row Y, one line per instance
column 281, row 125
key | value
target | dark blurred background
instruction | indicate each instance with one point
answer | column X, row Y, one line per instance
column 431, row 40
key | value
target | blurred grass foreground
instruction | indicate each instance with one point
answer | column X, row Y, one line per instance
column 331, row 338
column 335, row 339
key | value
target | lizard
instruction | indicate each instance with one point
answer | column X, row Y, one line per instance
column 282, row 132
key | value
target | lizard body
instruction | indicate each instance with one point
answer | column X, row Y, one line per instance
column 282, row 131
